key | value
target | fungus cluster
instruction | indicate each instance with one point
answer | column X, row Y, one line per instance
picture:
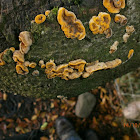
column 114, row 6
column 101, row 24
column 75, row 69
column 129, row 31
column 40, row 18
column 26, row 40
column 72, row 27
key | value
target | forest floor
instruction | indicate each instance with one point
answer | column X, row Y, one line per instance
column 20, row 114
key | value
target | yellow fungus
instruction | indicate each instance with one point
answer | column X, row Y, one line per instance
column 125, row 37
column 12, row 49
column 74, row 75
column 120, row 19
column 41, row 63
column 108, row 32
column 78, row 64
column 27, row 63
column 99, row 24
column 50, row 66
column 32, row 65
column 2, row 62
column 18, row 56
column 114, row 6
column 96, row 67
column 130, row 29
column 60, row 68
column 113, row 63
column 72, row 27
column 85, row 74
column 40, row 18
column 113, row 48
column 21, row 69
column 130, row 54
column 47, row 12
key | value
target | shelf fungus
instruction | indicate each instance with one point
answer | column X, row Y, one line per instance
column 18, row 56
column 74, row 75
column 120, row 19
column 114, row 6
column 113, row 63
column 2, row 62
column 78, row 64
column 40, row 18
column 130, row 54
column 50, row 66
column 101, row 24
column 72, row 27
column 96, row 67
column 32, row 65
column 27, row 63
column 12, row 49
column 113, row 48
column 130, row 29
column 26, row 41
column 21, row 68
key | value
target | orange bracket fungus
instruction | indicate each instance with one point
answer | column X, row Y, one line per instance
column 113, row 48
column 72, row 27
column 21, row 69
column 26, row 41
column 12, row 49
column 50, row 66
column 114, row 6
column 32, row 65
column 120, row 19
column 40, row 18
column 78, row 64
column 100, row 24
column 18, row 56
column 130, row 54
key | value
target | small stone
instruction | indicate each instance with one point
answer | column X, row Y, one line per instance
column 85, row 104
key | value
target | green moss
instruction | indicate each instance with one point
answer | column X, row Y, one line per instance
column 76, row 2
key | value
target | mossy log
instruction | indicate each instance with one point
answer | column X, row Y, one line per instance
column 51, row 43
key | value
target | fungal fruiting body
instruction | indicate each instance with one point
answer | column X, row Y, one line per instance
column 2, row 62
column 130, row 29
column 113, row 64
column 12, row 49
column 130, row 54
column 78, row 64
column 26, row 41
column 32, row 65
column 41, row 63
column 47, row 12
column 40, row 18
column 21, row 69
column 114, row 6
column 72, row 27
column 108, row 32
column 125, row 37
column 101, row 23
column 120, row 19
column 18, row 56
column 35, row 73
column 113, row 48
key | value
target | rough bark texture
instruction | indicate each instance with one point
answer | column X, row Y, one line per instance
column 16, row 16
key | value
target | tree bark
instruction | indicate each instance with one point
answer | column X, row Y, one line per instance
column 51, row 43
